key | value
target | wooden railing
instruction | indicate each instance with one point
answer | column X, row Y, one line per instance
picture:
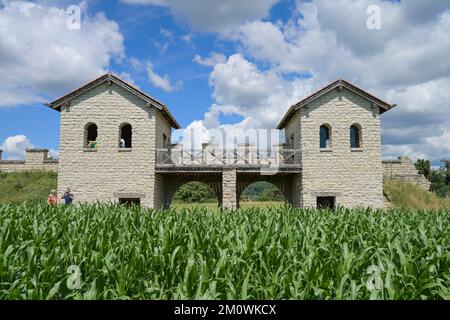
column 211, row 155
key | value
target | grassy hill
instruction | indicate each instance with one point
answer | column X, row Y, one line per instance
column 408, row 196
column 18, row 187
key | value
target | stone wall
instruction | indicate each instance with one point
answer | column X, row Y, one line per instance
column 35, row 159
column 403, row 169
column 229, row 180
column 353, row 176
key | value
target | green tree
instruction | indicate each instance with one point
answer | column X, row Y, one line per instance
column 439, row 178
column 194, row 192
column 262, row 191
column 446, row 169
column 423, row 166
column 271, row 193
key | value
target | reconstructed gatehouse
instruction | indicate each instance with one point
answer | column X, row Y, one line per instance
column 115, row 146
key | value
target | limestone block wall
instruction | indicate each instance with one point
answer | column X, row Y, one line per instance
column 403, row 169
column 35, row 159
column 297, row 192
column 353, row 176
column 108, row 172
column 162, row 127
column 229, row 189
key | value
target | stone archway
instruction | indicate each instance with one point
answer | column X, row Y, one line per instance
column 173, row 182
column 282, row 182
column 249, row 193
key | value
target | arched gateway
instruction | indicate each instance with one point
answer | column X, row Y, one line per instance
column 133, row 159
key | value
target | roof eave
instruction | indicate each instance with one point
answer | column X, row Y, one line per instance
column 56, row 104
column 384, row 106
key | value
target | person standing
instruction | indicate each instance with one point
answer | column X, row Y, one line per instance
column 52, row 199
column 68, row 196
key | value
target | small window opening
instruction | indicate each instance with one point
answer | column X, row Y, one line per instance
column 164, row 140
column 326, row 202
column 91, row 134
column 126, row 136
column 325, row 137
column 355, row 136
column 130, row 202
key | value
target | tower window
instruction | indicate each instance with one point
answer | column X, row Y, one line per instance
column 126, row 136
column 325, row 136
column 355, row 136
column 90, row 135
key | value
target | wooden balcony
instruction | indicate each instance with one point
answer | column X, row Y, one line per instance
column 213, row 158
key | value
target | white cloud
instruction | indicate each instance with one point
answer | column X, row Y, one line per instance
column 15, row 147
column 188, row 38
column 162, row 47
column 193, row 136
column 213, row 16
column 241, row 88
column 213, row 59
column 52, row 153
column 261, row 97
column 405, row 63
column 162, row 82
column 166, row 33
column 330, row 42
column 41, row 58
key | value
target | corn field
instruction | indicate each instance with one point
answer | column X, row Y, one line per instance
column 114, row 252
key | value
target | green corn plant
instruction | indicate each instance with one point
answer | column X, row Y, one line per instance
column 119, row 252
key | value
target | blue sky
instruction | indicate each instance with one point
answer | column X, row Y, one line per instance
column 230, row 63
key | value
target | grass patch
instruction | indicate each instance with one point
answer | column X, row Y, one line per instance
column 30, row 186
column 409, row 196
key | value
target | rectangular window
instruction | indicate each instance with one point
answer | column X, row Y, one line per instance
column 130, row 202
column 326, row 202
column 164, row 141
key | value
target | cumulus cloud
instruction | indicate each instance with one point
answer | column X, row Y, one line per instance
column 162, row 82
column 15, row 147
column 213, row 16
column 405, row 62
column 52, row 153
column 241, row 88
column 213, row 59
column 40, row 57
column 261, row 97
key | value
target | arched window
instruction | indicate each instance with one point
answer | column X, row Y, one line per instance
column 90, row 135
column 325, row 136
column 355, row 136
column 126, row 136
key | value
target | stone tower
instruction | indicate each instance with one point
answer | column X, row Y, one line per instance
column 337, row 130
column 108, row 137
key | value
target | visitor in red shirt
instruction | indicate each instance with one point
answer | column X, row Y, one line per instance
column 52, row 199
